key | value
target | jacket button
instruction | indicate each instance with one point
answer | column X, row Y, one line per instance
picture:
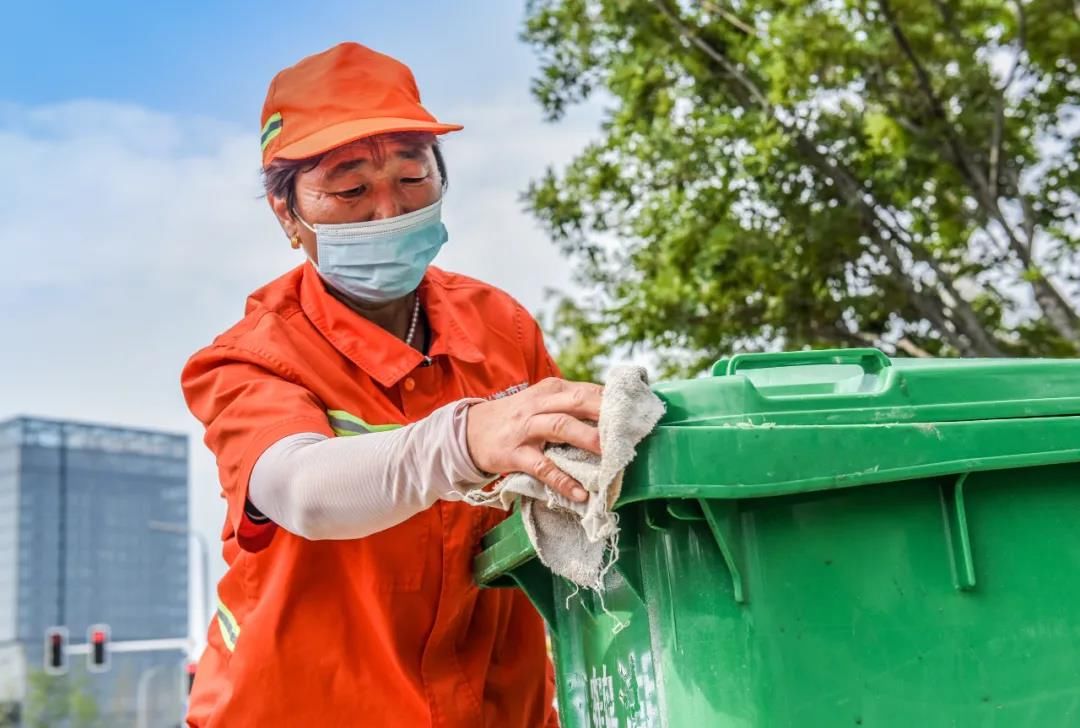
column 409, row 384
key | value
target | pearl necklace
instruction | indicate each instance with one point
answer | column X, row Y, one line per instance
column 415, row 318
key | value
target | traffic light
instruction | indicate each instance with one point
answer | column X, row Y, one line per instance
column 56, row 650
column 97, row 637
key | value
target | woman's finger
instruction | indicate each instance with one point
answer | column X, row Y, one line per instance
column 543, row 469
column 564, row 429
column 576, row 398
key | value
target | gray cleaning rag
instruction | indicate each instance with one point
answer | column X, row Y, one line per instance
column 569, row 537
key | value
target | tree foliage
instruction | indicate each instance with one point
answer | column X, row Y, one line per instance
column 782, row 173
column 59, row 702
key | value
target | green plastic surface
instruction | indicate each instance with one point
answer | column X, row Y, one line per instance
column 834, row 539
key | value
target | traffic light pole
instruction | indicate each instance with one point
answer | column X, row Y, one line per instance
column 98, row 648
column 142, row 703
column 61, row 527
column 175, row 643
column 182, row 529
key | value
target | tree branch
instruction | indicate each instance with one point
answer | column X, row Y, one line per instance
column 864, row 338
column 912, row 349
column 748, row 91
column 841, row 332
column 877, row 214
column 957, row 150
column 1021, row 37
column 995, row 145
column 1058, row 311
column 926, row 86
column 872, row 339
column 929, row 307
column 947, row 16
column 729, row 17
column 745, row 81
column 999, row 105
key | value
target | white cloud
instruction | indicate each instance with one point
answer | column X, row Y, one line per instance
column 132, row 238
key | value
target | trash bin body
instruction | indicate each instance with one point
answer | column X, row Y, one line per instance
column 833, row 539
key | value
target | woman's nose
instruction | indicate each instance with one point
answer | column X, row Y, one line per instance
column 386, row 205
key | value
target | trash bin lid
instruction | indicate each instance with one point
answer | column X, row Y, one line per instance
column 773, row 423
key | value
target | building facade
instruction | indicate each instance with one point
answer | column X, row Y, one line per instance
column 77, row 548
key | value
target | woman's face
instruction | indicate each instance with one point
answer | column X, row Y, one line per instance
column 370, row 179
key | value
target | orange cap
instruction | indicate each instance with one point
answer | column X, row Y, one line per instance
column 340, row 95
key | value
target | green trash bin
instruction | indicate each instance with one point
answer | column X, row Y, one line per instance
column 833, row 538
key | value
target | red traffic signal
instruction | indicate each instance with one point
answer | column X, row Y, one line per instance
column 97, row 637
column 56, row 650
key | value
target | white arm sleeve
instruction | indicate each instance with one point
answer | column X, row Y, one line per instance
column 349, row 487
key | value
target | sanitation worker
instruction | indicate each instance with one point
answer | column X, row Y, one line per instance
column 362, row 393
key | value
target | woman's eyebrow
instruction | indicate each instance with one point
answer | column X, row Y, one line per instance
column 345, row 167
column 415, row 154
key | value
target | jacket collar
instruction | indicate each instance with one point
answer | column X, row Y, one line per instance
column 383, row 356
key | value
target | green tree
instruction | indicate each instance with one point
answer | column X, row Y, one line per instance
column 9, row 714
column 792, row 173
column 59, row 701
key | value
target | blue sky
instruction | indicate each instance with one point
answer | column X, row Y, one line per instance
column 134, row 226
column 216, row 58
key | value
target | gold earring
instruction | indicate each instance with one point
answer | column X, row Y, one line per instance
column 295, row 240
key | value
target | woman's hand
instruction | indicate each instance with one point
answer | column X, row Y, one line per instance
column 508, row 435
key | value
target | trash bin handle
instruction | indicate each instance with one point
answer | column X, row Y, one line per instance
column 872, row 361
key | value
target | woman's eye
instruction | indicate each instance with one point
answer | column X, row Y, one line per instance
column 354, row 192
column 413, row 180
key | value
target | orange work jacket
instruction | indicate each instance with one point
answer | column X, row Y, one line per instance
column 386, row 630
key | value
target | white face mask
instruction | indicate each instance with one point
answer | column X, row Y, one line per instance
column 380, row 260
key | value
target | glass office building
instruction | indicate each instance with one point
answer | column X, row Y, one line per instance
column 77, row 549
